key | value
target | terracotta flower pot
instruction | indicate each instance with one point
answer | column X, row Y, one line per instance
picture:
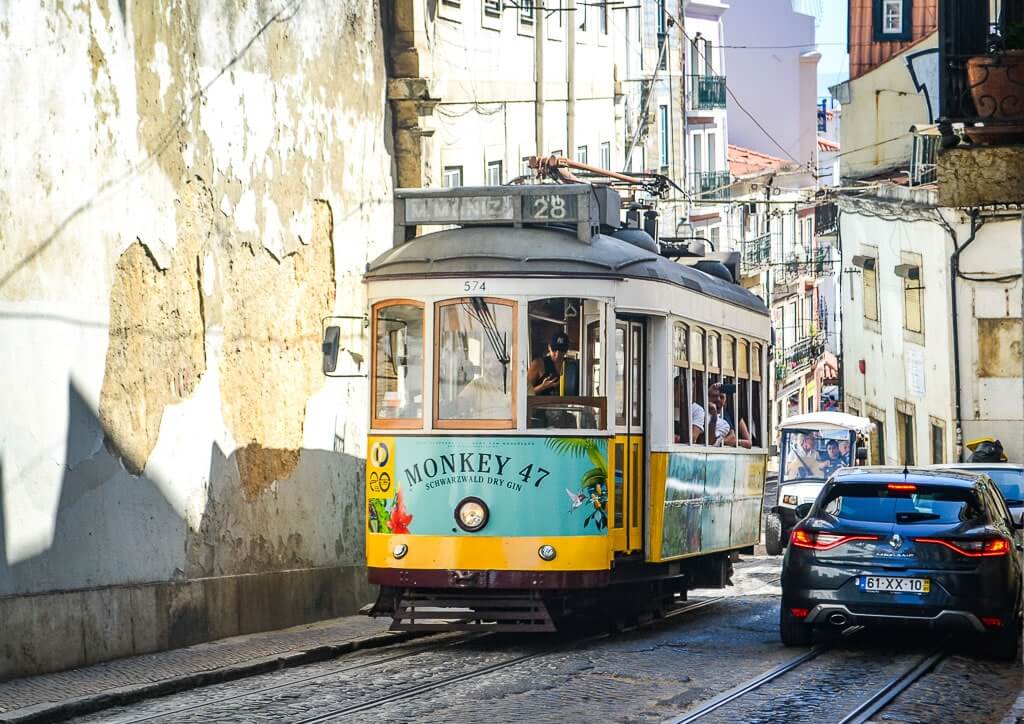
column 997, row 85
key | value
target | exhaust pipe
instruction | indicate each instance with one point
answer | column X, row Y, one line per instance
column 837, row 619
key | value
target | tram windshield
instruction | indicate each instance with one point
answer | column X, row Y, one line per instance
column 398, row 375
column 815, row 454
column 475, row 365
column 565, row 379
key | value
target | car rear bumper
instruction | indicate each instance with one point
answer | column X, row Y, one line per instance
column 838, row 614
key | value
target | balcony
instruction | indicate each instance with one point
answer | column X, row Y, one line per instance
column 825, row 218
column 757, row 252
column 710, row 184
column 799, row 356
column 707, row 92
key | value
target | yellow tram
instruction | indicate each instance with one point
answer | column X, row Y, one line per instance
column 547, row 396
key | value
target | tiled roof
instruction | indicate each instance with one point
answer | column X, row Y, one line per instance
column 745, row 161
column 866, row 53
column 826, row 145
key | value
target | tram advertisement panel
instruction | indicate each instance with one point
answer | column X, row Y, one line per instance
column 531, row 486
column 712, row 502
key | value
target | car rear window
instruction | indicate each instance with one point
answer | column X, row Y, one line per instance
column 880, row 504
column 1010, row 482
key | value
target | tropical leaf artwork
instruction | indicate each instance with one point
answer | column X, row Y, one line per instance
column 379, row 520
column 593, row 484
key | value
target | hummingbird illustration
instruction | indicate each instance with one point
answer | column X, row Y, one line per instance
column 575, row 499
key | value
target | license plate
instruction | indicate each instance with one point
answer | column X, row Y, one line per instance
column 889, row 584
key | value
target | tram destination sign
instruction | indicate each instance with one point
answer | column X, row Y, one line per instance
column 511, row 205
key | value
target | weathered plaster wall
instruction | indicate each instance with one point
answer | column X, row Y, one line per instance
column 185, row 191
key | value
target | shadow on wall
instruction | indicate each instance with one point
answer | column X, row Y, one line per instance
column 125, row 573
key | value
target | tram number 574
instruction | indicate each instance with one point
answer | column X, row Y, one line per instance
column 550, row 207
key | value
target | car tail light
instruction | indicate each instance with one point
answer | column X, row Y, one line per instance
column 972, row 548
column 992, row 621
column 799, row 612
column 823, row 541
column 903, row 487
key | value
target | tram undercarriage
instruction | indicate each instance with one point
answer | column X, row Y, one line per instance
column 491, row 600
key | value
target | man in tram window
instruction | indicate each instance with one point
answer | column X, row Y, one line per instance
column 550, row 375
column 723, row 432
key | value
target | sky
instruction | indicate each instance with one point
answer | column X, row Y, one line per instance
column 830, row 34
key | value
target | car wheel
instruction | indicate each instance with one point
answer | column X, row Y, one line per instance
column 1002, row 645
column 792, row 630
column 773, row 534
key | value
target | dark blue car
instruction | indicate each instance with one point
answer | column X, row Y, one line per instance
column 918, row 547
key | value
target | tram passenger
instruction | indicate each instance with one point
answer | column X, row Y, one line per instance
column 545, row 373
column 742, row 436
column 723, row 432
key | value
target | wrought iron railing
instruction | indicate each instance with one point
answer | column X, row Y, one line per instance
column 986, row 91
column 707, row 92
column 710, row 184
column 757, row 252
column 825, row 218
column 799, row 356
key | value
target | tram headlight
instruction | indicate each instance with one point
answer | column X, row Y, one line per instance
column 471, row 514
column 400, row 550
column 547, row 552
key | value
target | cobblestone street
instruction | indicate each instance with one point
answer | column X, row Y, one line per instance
column 654, row 673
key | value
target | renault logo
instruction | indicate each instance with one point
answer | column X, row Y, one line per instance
column 896, row 541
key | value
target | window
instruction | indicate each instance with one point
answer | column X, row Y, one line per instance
column 938, row 441
column 697, row 382
column 708, row 48
column 913, row 314
column 492, row 8
column 715, row 238
column 474, row 363
column 524, row 167
column 680, row 384
column 870, row 277
column 494, row 173
column 928, row 505
column 891, row 20
column 450, row 10
column 398, row 364
column 606, row 155
column 565, row 380
column 712, row 153
column 602, row 11
column 581, row 12
column 663, row 135
column 452, row 177
column 696, row 153
column 743, row 381
column 757, row 399
column 877, row 439
column 905, row 435
column 526, row 12
column 581, row 154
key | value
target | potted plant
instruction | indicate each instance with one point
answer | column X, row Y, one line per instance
column 996, row 80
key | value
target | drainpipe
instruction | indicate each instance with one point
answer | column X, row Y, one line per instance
column 538, row 70
column 954, row 271
column 570, row 81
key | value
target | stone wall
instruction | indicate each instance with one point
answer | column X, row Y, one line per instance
column 186, row 190
column 981, row 175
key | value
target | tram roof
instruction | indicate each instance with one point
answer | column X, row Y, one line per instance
column 545, row 251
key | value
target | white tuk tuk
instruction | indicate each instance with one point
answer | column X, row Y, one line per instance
column 813, row 446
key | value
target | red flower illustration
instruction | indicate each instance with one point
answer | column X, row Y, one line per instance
column 400, row 519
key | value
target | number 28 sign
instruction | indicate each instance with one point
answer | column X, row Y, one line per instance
column 550, row 207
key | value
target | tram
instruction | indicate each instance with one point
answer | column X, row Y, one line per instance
column 546, row 395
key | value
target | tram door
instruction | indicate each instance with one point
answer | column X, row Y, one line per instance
column 627, row 495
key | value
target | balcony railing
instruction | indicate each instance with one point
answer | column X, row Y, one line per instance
column 757, row 252
column 799, row 356
column 710, row 184
column 825, row 218
column 707, row 92
column 967, row 30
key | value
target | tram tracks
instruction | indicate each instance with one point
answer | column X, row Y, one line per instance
column 878, row 700
column 429, row 647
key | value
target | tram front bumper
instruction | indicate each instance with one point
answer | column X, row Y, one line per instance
column 482, row 578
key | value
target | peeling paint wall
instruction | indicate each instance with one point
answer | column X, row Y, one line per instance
column 186, row 190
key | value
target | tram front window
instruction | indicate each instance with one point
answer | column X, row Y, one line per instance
column 398, row 364
column 565, row 380
column 475, row 363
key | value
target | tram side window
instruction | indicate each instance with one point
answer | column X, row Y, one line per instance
column 565, row 380
column 680, row 385
column 398, row 364
column 698, row 405
column 743, row 391
column 727, row 397
column 756, row 396
column 475, row 363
